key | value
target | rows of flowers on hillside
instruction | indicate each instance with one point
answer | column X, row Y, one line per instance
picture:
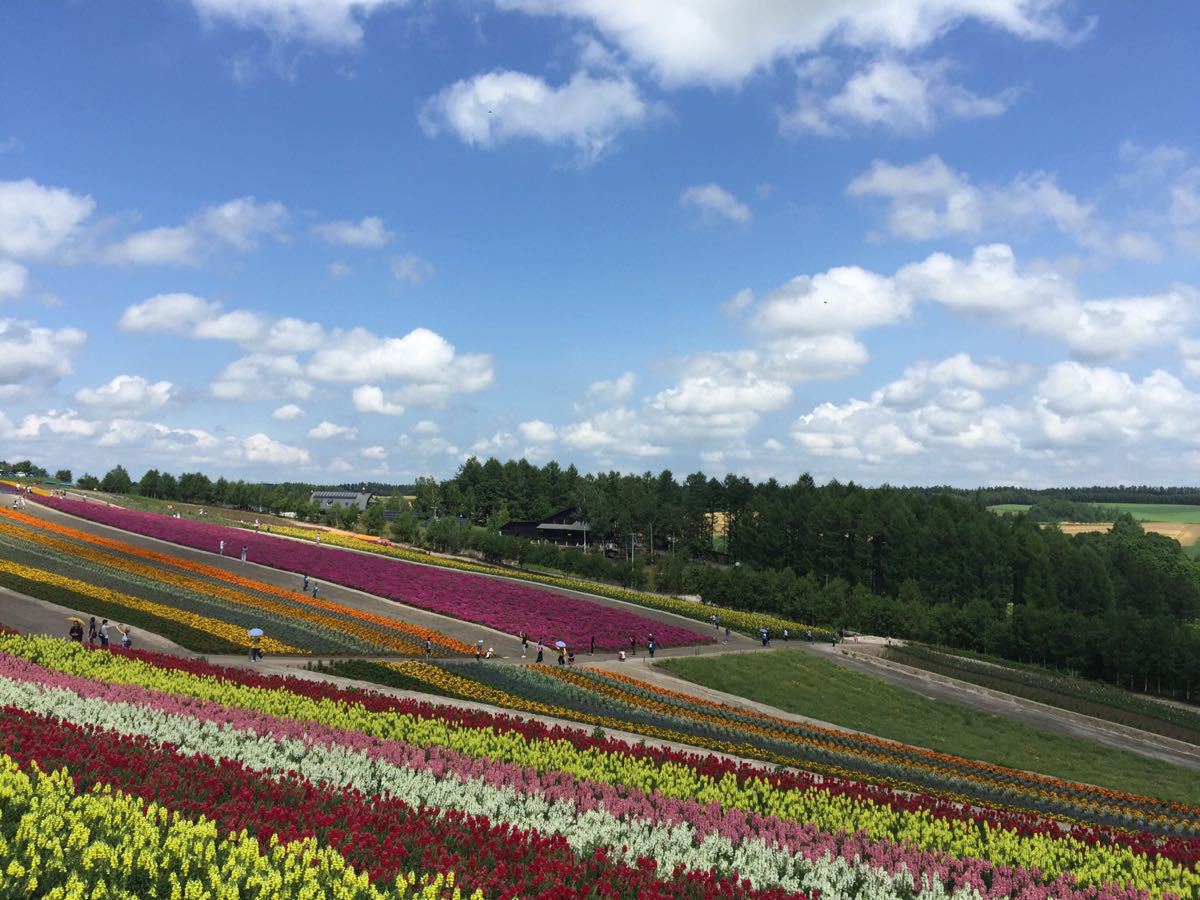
column 208, row 599
column 501, row 605
column 615, row 701
column 736, row 619
column 675, row 816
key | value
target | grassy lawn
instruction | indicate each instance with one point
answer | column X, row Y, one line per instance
column 799, row 682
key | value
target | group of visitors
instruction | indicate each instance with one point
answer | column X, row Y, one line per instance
column 97, row 634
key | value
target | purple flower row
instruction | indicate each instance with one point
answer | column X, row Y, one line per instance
column 499, row 604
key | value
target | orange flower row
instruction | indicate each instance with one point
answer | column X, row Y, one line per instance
column 415, row 633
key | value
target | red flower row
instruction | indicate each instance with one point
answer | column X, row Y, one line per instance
column 381, row 836
column 1179, row 849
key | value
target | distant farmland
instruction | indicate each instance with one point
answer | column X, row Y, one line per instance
column 1180, row 521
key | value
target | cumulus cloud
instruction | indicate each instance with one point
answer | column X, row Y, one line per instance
column 333, row 23
column 327, row 430
column 176, row 313
column 712, row 201
column 263, row 449
column 14, row 279
column 376, row 452
column 37, row 221
column 34, row 357
column 499, row 442
column 239, row 223
column 368, row 232
column 259, row 375
column 289, row 412
column 888, row 94
column 371, row 398
column 128, row 393
column 537, row 431
column 717, row 42
column 842, row 299
column 339, row 269
column 586, row 112
column 430, row 367
column 425, row 426
column 613, row 391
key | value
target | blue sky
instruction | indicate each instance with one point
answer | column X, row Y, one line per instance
column 907, row 241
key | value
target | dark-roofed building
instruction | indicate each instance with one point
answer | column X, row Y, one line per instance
column 327, row 499
column 561, row 527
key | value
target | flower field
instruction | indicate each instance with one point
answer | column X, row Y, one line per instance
column 248, row 774
column 502, row 605
column 737, row 619
column 612, row 700
column 201, row 607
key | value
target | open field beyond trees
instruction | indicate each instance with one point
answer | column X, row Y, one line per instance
column 798, row 682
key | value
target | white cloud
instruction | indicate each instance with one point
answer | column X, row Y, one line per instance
column 368, row 232
column 327, row 430
column 339, row 269
column 36, row 221
column 261, row 375
column 242, row 222
column 425, row 426
column 1045, row 303
column 240, row 326
column 1185, row 199
column 263, row 449
column 370, row 398
column 497, row 443
column 289, row 412
column 773, row 445
column 411, row 269
column 586, row 112
column 58, row 423
column 339, row 465
column 433, row 369
column 376, row 452
column 178, row 245
column 537, row 431
column 611, row 391
column 128, row 393
column 928, row 199
column 845, row 298
column 177, row 313
column 31, row 356
column 617, row 432
column 722, row 42
column 238, row 223
column 14, row 279
column 888, row 94
column 334, row 23
column 711, row 200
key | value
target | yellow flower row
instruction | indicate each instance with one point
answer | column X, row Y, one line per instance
column 1092, row 864
column 104, row 843
column 233, row 633
column 405, row 642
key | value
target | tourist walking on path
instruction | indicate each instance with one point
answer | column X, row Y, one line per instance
column 315, row 588
column 92, row 631
column 727, row 634
column 305, row 588
column 478, row 650
column 540, row 651
column 76, row 631
column 632, row 646
column 221, row 548
column 255, row 648
column 592, row 650
column 103, row 634
column 650, row 645
column 243, row 552
column 428, row 647
column 126, row 640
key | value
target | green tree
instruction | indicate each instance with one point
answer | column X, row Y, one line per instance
column 88, row 482
column 116, row 481
column 63, row 475
column 375, row 521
